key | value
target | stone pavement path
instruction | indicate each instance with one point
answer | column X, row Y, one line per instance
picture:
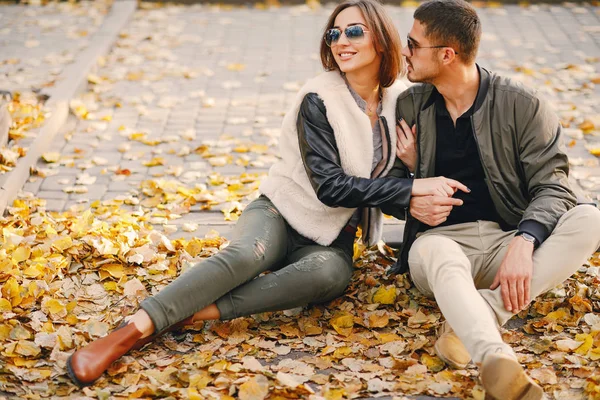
column 37, row 42
column 189, row 75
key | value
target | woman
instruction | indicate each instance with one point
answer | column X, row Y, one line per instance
column 336, row 149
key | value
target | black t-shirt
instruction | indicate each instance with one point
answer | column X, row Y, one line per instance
column 457, row 157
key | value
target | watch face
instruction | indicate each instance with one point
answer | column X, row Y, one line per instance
column 528, row 237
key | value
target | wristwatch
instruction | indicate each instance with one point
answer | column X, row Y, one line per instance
column 529, row 238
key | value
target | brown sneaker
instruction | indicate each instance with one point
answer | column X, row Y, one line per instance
column 89, row 363
column 450, row 349
column 503, row 378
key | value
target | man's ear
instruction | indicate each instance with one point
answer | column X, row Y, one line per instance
column 448, row 56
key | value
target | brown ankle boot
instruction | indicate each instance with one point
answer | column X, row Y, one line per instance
column 503, row 378
column 144, row 341
column 89, row 363
column 450, row 349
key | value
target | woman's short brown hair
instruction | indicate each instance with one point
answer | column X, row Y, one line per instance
column 385, row 37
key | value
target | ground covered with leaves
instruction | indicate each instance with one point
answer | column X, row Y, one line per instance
column 67, row 279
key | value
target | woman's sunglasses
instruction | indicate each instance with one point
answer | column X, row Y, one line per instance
column 354, row 33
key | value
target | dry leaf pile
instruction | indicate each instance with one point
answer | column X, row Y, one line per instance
column 69, row 278
column 26, row 111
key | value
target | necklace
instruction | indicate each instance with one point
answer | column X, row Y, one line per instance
column 372, row 108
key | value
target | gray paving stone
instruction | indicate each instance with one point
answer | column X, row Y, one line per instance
column 52, row 195
column 52, row 182
column 55, row 204
column 32, row 186
column 123, row 186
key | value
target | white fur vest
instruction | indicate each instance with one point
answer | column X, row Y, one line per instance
column 287, row 184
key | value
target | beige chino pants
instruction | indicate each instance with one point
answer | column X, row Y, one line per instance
column 457, row 264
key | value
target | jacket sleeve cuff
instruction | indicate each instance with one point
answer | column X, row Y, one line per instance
column 535, row 229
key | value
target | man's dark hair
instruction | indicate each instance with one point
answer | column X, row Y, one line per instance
column 454, row 23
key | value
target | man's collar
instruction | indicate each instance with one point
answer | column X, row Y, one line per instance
column 484, row 84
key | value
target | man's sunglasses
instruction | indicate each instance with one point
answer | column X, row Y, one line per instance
column 412, row 46
column 354, row 33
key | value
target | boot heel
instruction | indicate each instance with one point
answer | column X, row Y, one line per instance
column 72, row 375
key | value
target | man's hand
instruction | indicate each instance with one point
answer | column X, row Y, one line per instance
column 438, row 186
column 514, row 275
column 432, row 210
column 406, row 148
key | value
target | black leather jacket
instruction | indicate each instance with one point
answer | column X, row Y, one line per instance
column 332, row 185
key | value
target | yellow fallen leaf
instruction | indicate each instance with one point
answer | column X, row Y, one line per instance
column 22, row 362
column 192, row 394
column 342, row 323
column 156, row 161
column 558, row 314
column 51, row 157
column 22, row 253
column 342, row 352
column 35, row 271
column 385, row 295
column 55, row 308
column 588, row 342
column 134, row 76
column 236, row 67
column 259, row 148
column 115, row 270
column 200, row 381
column 587, row 126
column 335, row 394
column 379, row 319
column 110, row 286
column 5, row 305
column 594, row 354
column 27, row 348
column 5, row 330
column 359, row 249
column 20, row 333
column 12, row 290
column 63, row 243
column 595, row 151
column 388, row 337
column 257, row 388
column 432, row 363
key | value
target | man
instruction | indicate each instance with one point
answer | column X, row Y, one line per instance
column 518, row 232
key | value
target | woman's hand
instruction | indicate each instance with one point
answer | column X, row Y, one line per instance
column 406, row 148
column 438, row 186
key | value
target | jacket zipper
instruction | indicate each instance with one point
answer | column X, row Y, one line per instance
column 490, row 185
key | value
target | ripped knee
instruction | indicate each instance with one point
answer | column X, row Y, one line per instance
column 260, row 248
